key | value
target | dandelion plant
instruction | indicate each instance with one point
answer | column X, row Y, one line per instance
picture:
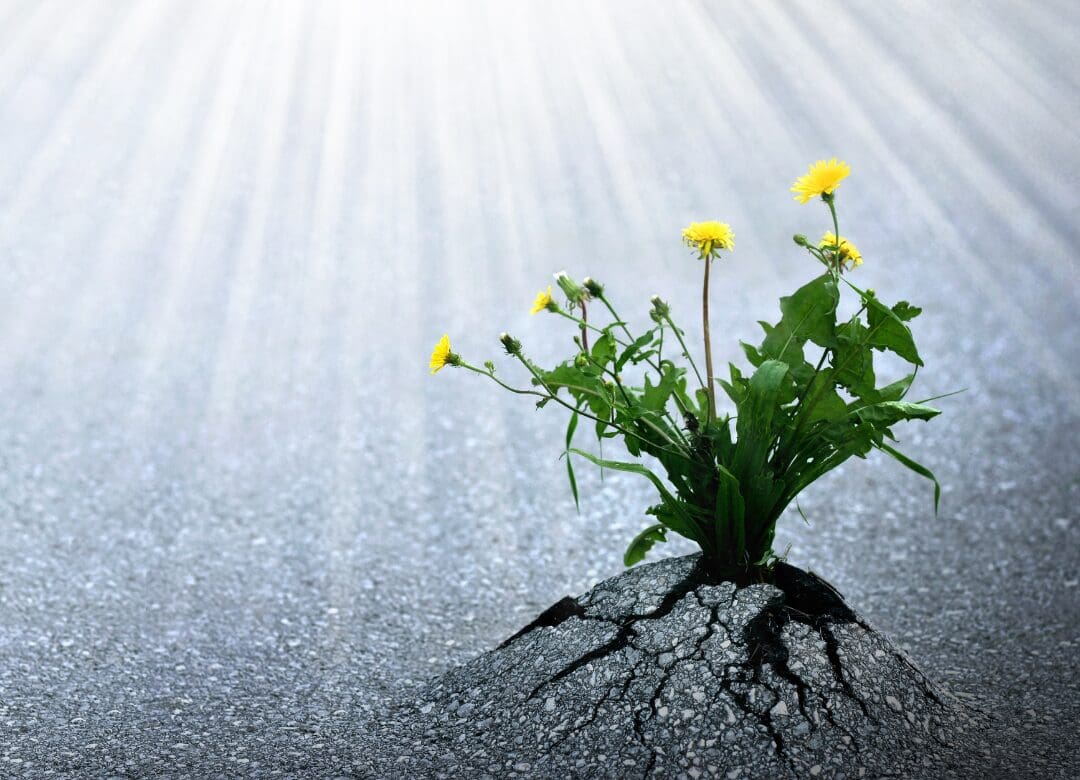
column 810, row 400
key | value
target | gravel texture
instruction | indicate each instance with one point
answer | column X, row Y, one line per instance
column 661, row 672
column 238, row 518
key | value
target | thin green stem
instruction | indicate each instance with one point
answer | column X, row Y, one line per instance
column 829, row 201
column 655, row 365
column 630, row 403
column 550, row 395
column 584, row 327
column 536, row 374
column 686, row 351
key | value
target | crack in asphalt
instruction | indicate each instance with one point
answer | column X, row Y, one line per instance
column 625, row 631
column 812, row 603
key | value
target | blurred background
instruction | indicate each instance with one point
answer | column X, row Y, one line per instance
column 237, row 515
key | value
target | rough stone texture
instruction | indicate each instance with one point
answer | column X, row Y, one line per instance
column 660, row 672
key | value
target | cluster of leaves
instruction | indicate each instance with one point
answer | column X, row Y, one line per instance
column 727, row 480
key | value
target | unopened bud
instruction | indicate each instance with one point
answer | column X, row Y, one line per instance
column 489, row 366
column 582, row 360
column 594, row 288
column 511, row 344
column 575, row 293
column 661, row 308
column 800, row 239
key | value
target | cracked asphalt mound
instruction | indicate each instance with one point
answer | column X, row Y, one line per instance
column 659, row 672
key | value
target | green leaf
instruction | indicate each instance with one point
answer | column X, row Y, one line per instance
column 853, row 361
column 809, row 314
column 918, row 468
column 684, row 523
column 752, row 354
column 643, row 542
column 577, row 382
column 632, row 351
column 655, row 397
column 886, row 413
column 905, row 311
column 729, row 519
column 754, row 426
column 736, row 388
column 603, row 349
column 829, row 406
column 896, row 390
column 759, row 403
column 674, row 517
column 570, row 428
column 888, row 331
column 632, row 468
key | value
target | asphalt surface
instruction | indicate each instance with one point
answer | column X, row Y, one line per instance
column 236, row 514
column 662, row 672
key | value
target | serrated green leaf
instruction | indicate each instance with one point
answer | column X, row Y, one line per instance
column 853, row 359
column 905, row 311
column 655, row 397
column 809, row 314
column 888, row 331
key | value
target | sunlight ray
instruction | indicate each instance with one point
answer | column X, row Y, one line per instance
column 184, row 244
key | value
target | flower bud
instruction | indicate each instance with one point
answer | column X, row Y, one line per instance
column 512, row 345
column 582, row 360
column 801, row 240
column 594, row 288
column 489, row 366
column 659, row 307
column 575, row 293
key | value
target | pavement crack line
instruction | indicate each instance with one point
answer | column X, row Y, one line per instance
column 625, row 633
column 665, row 675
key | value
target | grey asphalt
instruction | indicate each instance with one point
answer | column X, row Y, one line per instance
column 236, row 514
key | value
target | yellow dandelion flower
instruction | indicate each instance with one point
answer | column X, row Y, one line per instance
column 822, row 179
column 543, row 300
column 849, row 254
column 708, row 237
column 442, row 356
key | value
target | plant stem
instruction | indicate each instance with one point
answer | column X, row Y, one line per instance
column 550, row 395
column 654, row 364
column 584, row 327
column 836, row 234
column 686, row 351
column 710, row 391
column 614, row 425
